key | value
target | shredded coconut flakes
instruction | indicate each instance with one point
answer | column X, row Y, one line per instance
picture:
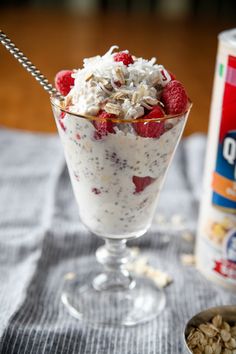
column 104, row 81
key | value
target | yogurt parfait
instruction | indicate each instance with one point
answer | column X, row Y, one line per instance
column 119, row 122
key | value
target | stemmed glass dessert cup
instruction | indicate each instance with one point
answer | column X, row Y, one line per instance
column 116, row 177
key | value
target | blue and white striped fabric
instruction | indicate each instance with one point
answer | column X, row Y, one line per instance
column 41, row 239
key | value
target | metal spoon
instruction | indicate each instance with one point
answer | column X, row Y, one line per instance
column 26, row 63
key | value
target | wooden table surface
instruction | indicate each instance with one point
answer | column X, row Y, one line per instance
column 57, row 40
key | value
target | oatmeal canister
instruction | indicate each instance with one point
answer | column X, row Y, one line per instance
column 216, row 237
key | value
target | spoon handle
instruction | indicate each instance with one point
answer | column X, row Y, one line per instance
column 26, row 63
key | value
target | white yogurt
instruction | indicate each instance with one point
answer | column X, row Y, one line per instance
column 101, row 172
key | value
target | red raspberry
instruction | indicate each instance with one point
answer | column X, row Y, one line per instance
column 142, row 182
column 172, row 76
column 151, row 129
column 76, row 176
column 96, row 190
column 64, row 81
column 62, row 115
column 60, row 120
column 126, row 58
column 174, row 97
column 62, row 124
column 103, row 126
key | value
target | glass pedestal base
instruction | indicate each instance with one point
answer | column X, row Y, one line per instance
column 140, row 303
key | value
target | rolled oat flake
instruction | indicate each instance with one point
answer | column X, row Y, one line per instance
column 216, row 236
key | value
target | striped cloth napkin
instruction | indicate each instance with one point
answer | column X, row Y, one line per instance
column 42, row 239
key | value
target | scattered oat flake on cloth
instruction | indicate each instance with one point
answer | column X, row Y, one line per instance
column 160, row 219
column 177, row 220
column 141, row 267
column 187, row 236
column 135, row 251
column 188, row 259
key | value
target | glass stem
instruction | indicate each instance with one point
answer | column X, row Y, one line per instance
column 113, row 256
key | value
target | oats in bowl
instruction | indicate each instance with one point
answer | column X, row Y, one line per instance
column 212, row 332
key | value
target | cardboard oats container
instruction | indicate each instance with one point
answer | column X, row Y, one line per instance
column 216, row 235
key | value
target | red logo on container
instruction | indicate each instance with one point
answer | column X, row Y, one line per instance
column 228, row 119
column 225, row 268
